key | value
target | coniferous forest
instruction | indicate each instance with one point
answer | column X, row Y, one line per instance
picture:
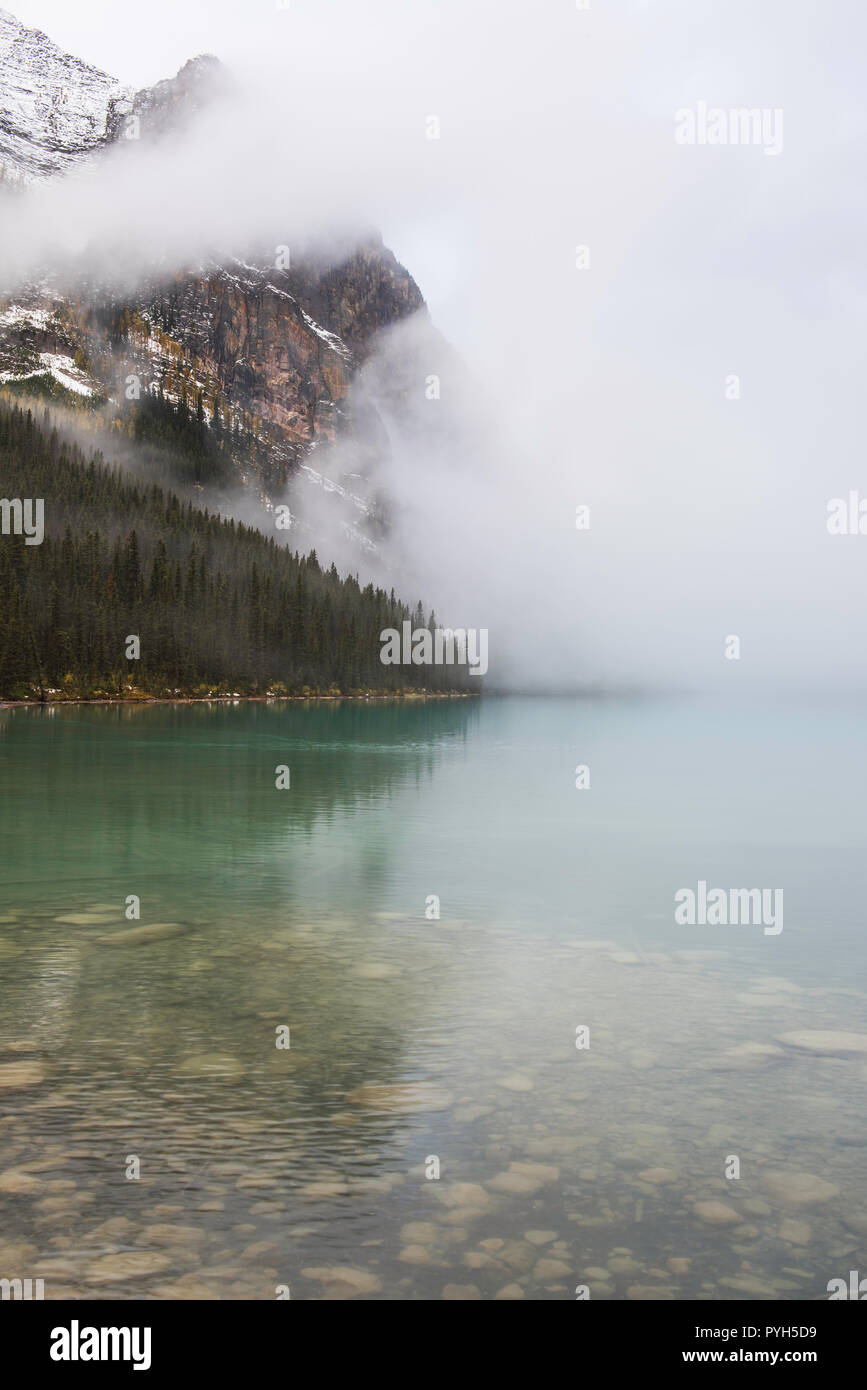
column 217, row 607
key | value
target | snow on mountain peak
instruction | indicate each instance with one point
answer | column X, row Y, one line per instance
column 55, row 110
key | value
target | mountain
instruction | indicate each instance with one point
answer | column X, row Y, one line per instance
column 266, row 361
column 167, row 106
column 55, row 111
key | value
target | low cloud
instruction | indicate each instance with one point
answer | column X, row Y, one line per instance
column 692, row 376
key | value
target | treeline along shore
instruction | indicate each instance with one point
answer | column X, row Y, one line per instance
column 133, row 594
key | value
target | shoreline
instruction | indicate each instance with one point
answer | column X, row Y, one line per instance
column 235, row 699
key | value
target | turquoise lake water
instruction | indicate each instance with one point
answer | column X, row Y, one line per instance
column 424, row 1045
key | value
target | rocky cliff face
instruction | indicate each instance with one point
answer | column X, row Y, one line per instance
column 170, row 104
column 283, row 345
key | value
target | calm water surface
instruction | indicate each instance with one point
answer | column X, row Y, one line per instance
column 415, row 1040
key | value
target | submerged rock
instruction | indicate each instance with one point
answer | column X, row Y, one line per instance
column 757, row 1206
column 325, row 1188
column 518, row 1255
column 414, row 1255
column 795, row 1232
column 190, row 1288
column 141, row 936
column 214, row 1065
column 799, row 1189
column 88, row 919
column 18, row 1076
column 419, row 1232
column 658, row 1177
column 548, row 1268
column 404, row 1098
column 514, row 1183
column 14, row 1180
column 463, row 1194
column 748, row 1283
column 463, row 1216
column 172, row 1235
column 717, row 1214
column 545, row 1172
column 345, row 1277
column 131, row 1264
column 479, row 1259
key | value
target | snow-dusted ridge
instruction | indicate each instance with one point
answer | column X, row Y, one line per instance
column 55, row 110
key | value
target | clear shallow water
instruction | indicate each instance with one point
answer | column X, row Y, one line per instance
column 413, row 1038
